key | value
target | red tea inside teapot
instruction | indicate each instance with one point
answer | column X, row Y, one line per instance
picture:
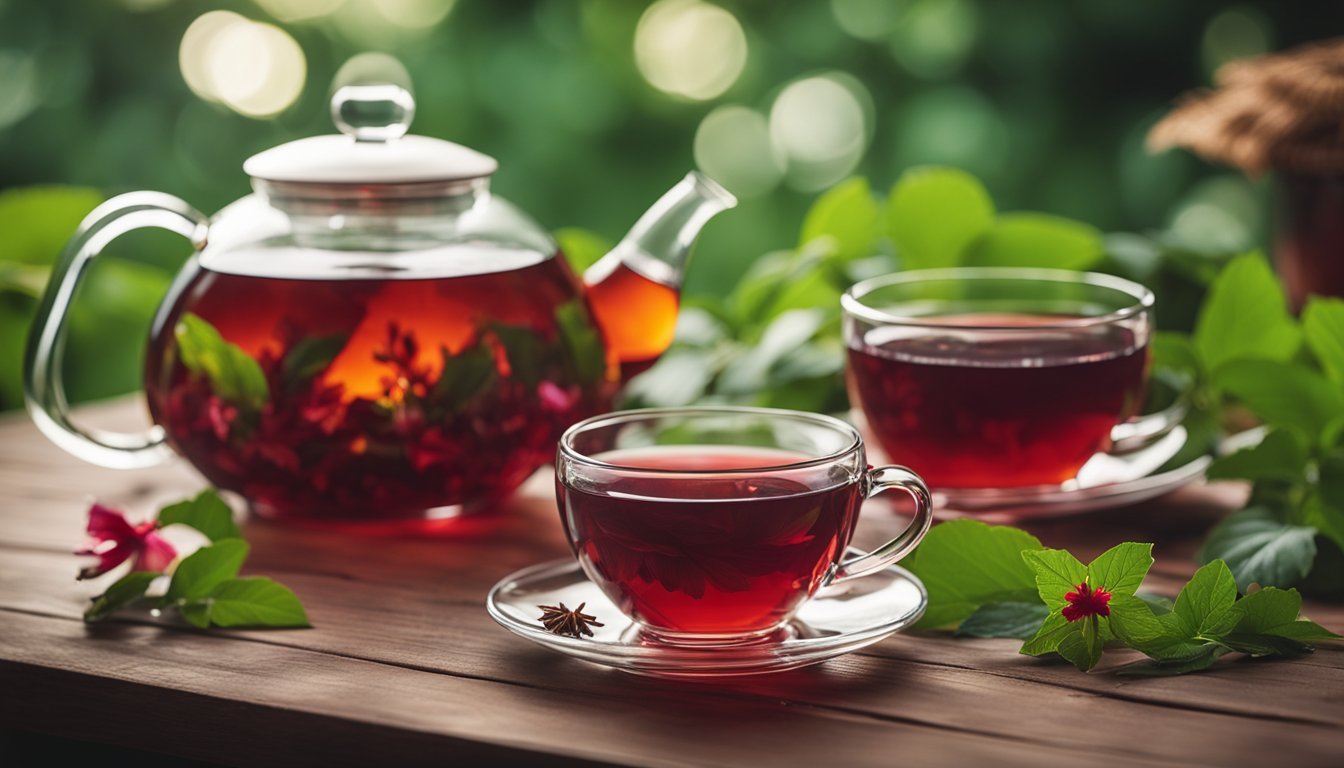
column 373, row 334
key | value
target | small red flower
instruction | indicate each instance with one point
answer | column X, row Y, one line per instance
column 115, row 541
column 1087, row 601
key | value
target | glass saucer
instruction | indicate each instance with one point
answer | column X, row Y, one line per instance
column 835, row 621
column 1107, row 480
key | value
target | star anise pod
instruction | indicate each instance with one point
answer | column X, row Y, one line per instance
column 562, row 621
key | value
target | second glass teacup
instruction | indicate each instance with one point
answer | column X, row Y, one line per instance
column 987, row 378
column 714, row 525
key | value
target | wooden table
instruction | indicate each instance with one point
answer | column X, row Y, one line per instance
column 404, row 666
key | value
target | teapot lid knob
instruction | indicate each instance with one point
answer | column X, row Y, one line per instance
column 374, row 112
column 373, row 108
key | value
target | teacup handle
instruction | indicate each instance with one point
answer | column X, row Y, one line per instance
column 1141, row 431
column 879, row 480
column 43, row 388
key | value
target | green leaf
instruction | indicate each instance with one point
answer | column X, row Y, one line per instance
column 1304, row 630
column 1173, row 352
column 200, row 572
column 37, row 221
column 1121, row 569
column 521, row 350
column 1082, row 648
column 1264, row 645
column 848, row 216
column 1282, row 394
column 1036, row 240
column 1279, row 456
column 308, row 358
column 232, row 373
column 679, row 378
column 1016, row 620
column 197, row 614
column 1132, row 256
column 1261, row 611
column 1052, row 632
column 1079, row 650
column 1133, row 621
column 464, row 375
column 206, row 513
column 1260, row 548
column 581, row 248
column 27, row 279
column 1274, row 611
column 750, row 372
column 965, row 564
column 122, row 593
column 811, row 290
column 1245, row 316
column 934, row 214
column 1201, row 660
column 1057, row 574
column 586, row 351
column 1324, row 510
column 1323, row 329
column 1202, row 607
column 1160, row 604
column 255, row 602
column 767, row 276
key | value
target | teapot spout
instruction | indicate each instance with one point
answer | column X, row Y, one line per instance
column 634, row 290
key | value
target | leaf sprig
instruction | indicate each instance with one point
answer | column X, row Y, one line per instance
column 205, row 588
column 1248, row 352
column 1019, row 589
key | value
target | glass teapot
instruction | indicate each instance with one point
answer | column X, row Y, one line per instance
column 372, row 334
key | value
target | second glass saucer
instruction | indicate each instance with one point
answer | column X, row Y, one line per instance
column 1107, row 480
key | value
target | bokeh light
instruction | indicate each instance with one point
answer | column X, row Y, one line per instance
column 1220, row 213
column 821, row 126
column 952, row 125
column 867, row 19
column 690, row 49
column 299, row 10
column 253, row 68
column 414, row 14
column 934, row 37
column 18, row 86
column 1235, row 33
column 733, row 146
column 144, row 5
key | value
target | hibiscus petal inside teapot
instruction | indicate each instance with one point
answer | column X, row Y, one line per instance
column 372, row 334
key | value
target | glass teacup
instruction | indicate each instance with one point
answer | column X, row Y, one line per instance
column 714, row 525
column 1000, row 378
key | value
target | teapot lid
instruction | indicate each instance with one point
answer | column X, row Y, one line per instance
column 372, row 147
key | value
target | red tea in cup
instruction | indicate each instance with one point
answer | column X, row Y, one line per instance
column 714, row 525
column 1021, row 395
column 716, row 553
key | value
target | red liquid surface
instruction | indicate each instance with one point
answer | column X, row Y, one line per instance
column 713, row 555
column 976, row 415
column 431, row 392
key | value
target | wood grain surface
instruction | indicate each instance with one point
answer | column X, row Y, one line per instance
column 404, row 667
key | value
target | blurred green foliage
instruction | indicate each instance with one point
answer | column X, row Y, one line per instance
column 1047, row 103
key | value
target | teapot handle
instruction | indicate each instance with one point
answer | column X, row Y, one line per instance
column 44, row 389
